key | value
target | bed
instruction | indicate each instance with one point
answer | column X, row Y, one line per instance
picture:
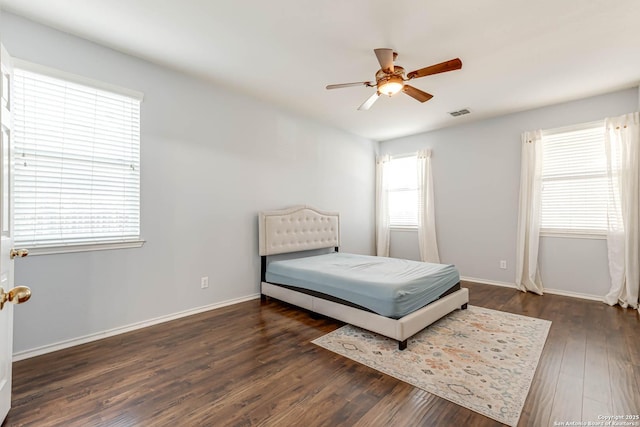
column 394, row 298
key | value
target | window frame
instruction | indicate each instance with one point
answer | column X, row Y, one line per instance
column 567, row 232
column 85, row 246
column 406, row 227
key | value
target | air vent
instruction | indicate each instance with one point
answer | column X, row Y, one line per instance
column 460, row 112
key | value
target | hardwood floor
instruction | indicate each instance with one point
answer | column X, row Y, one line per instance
column 253, row 364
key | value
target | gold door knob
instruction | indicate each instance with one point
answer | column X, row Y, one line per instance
column 20, row 253
column 17, row 295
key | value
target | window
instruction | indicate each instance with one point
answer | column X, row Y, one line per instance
column 402, row 188
column 575, row 188
column 77, row 162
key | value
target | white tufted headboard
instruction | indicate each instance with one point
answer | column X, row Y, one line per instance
column 299, row 228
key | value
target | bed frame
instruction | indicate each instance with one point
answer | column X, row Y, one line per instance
column 303, row 228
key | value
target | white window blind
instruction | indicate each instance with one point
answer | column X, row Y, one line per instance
column 77, row 163
column 402, row 188
column 575, row 187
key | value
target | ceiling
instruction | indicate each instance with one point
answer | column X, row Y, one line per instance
column 516, row 54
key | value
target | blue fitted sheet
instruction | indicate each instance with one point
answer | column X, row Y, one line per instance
column 390, row 287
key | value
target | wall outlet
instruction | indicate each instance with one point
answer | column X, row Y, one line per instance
column 204, row 282
column 503, row 264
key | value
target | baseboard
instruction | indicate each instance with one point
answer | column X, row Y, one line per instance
column 488, row 282
column 26, row 354
column 564, row 293
column 590, row 297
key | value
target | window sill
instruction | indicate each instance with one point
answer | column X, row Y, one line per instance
column 87, row 247
column 569, row 235
column 404, row 228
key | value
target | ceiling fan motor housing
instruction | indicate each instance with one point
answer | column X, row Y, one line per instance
column 390, row 83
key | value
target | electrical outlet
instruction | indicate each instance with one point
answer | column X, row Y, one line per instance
column 503, row 264
column 204, row 282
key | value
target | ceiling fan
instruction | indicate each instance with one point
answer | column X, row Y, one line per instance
column 390, row 78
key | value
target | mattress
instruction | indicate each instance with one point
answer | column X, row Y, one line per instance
column 390, row 287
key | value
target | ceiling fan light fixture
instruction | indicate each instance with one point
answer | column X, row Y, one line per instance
column 391, row 85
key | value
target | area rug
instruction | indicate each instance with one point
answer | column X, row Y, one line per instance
column 478, row 358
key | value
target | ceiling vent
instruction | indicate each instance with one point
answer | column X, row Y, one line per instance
column 460, row 112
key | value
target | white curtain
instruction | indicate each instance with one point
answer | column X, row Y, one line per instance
column 622, row 141
column 426, row 210
column 382, row 207
column 528, row 237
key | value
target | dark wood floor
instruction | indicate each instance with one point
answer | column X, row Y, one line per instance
column 253, row 364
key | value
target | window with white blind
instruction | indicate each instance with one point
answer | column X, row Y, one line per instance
column 575, row 187
column 402, row 186
column 76, row 162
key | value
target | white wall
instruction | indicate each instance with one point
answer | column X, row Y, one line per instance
column 211, row 159
column 476, row 170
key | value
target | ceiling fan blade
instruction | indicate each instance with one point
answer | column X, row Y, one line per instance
column 369, row 102
column 385, row 58
column 416, row 93
column 340, row 85
column 443, row 67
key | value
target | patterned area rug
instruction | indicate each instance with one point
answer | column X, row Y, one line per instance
column 478, row 358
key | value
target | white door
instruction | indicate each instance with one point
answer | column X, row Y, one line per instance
column 8, row 294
